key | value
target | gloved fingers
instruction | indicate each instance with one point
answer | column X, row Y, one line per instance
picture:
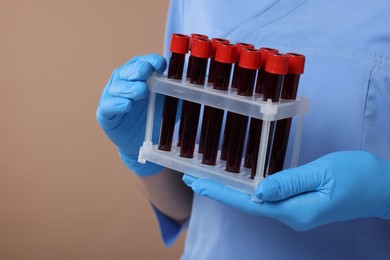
column 134, row 90
column 133, row 59
column 157, row 61
column 188, row 179
column 113, row 106
column 305, row 211
column 222, row 193
column 288, row 183
column 300, row 212
column 142, row 67
column 137, row 70
column 216, row 191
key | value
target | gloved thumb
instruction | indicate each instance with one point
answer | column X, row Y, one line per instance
column 288, row 183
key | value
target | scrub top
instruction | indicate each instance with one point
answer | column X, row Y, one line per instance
column 347, row 78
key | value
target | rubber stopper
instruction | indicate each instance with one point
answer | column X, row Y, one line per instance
column 296, row 63
column 179, row 43
column 277, row 63
column 200, row 36
column 243, row 45
column 197, row 36
column 250, row 59
column 226, row 53
column 264, row 55
column 201, row 48
column 216, row 41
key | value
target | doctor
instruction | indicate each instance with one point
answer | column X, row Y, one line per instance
column 336, row 205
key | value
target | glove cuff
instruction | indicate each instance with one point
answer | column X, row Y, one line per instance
column 140, row 169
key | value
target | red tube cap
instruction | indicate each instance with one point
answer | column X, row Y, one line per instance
column 216, row 41
column 179, row 43
column 200, row 36
column 243, row 45
column 197, row 36
column 296, row 63
column 226, row 53
column 250, row 59
column 264, row 55
column 201, row 48
column 277, row 64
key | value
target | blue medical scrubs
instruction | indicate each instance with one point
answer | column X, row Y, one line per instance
column 347, row 78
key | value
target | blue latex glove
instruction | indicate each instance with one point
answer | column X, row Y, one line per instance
column 339, row 186
column 122, row 109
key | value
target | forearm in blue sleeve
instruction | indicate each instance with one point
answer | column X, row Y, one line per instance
column 169, row 229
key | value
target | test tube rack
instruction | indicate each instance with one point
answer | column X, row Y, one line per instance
column 229, row 101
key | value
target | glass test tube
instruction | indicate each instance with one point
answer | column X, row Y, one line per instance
column 215, row 42
column 192, row 37
column 240, row 46
column 224, row 59
column 255, row 126
column 249, row 63
column 179, row 47
column 183, row 116
column 228, row 121
column 296, row 64
column 201, row 52
column 275, row 69
column 261, row 75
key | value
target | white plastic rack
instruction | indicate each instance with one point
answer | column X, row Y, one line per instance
column 228, row 101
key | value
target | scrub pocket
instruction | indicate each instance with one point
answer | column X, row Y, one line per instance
column 337, row 86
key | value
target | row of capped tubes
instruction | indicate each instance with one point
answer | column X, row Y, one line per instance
column 262, row 71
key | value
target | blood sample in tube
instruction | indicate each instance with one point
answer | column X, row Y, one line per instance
column 253, row 142
column 193, row 36
column 215, row 42
column 178, row 47
column 224, row 59
column 296, row 64
column 249, row 63
column 275, row 70
column 226, row 134
column 255, row 125
column 201, row 52
column 183, row 116
column 261, row 74
column 240, row 46
column 228, row 121
column 203, row 128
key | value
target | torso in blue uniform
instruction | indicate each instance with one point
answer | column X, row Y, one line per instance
column 347, row 78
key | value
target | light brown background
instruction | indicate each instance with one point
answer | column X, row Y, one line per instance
column 64, row 194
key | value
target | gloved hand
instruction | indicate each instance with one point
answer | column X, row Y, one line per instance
column 339, row 186
column 122, row 109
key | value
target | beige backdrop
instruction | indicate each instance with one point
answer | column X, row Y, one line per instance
column 64, row 193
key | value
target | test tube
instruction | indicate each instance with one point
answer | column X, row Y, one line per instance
column 201, row 52
column 224, row 59
column 215, row 42
column 249, row 63
column 206, row 113
column 183, row 115
column 296, row 64
column 178, row 47
column 228, row 121
column 256, row 124
column 193, row 36
column 275, row 70
column 240, row 46
column 261, row 74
